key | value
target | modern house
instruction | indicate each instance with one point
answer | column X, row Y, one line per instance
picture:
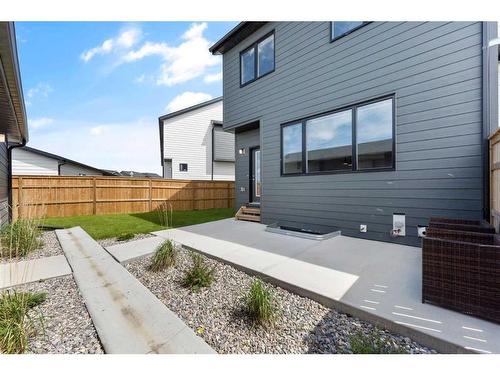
column 13, row 123
column 193, row 144
column 369, row 128
column 31, row 161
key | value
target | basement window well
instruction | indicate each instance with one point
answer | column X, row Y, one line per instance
column 301, row 232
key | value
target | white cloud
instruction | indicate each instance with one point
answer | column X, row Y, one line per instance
column 140, row 79
column 210, row 78
column 187, row 99
column 104, row 145
column 125, row 40
column 41, row 122
column 181, row 63
column 97, row 130
column 41, row 90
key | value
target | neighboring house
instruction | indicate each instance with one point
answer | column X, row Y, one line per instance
column 194, row 146
column 31, row 161
column 134, row 174
column 13, row 123
column 342, row 125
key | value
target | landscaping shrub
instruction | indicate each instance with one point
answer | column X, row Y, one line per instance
column 16, row 323
column 164, row 256
column 125, row 237
column 362, row 343
column 20, row 238
column 259, row 304
column 200, row 275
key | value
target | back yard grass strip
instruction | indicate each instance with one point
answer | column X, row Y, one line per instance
column 116, row 225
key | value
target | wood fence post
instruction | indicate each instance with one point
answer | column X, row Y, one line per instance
column 20, row 198
column 150, row 195
column 193, row 196
column 94, row 200
column 229, row 204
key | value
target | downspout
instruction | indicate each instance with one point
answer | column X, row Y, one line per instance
column 489, row 104
column 9, row 177
column 59, row 165
column 213, row 126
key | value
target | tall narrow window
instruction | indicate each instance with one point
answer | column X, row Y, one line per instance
column 329, row 142
column 247, row 66
column 374, row 129
column 265, row 52
column 341, row 28
column 292, row 148
column 257, row 60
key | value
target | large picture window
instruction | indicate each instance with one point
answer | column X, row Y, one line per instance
column 356, row 138
column 292, row 148
column 374, row 135
column 329, row 142
column 257, row 60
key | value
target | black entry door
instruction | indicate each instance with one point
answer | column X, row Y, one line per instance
column 255, row 179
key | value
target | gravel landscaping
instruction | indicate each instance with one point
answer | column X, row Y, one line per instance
column 114, row 241
column 216, row 314
column 49, row 248
column 68, row 326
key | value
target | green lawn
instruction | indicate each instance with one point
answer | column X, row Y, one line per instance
column 106, row 226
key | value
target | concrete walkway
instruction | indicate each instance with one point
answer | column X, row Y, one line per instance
column 129, row 251
column 126, row 315
column 376, row 281
column 28, row 271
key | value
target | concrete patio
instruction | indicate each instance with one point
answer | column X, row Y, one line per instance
column 376, row 281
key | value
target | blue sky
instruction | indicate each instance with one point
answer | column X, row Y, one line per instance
column 94, row 90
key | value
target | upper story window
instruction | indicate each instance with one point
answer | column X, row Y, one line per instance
column 257, row 60
column 342, row 28
column 183, row 167
column 356, row 138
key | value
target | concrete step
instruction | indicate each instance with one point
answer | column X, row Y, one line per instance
column 129, row 319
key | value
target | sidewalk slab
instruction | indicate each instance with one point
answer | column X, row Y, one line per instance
column 128, row 318
column 132, row 250
column 28, row 271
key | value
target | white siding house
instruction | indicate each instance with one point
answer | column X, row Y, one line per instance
column 194, row 146
column 30, row 161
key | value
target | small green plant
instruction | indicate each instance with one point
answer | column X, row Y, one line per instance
column 125, row 237
column 16, row 322
column 200, row 275
column 20, row 238
column 164, row 256
column 362, row 343
column 259, row 304
column 165, row 214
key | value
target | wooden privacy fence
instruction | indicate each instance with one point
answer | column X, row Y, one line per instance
column 57, row 196
column 495, row 179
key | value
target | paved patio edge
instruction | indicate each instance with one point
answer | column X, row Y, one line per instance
column 441, row 345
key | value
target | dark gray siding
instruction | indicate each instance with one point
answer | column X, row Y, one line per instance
column 434, row 70
column 4, row 192
column 246, row 140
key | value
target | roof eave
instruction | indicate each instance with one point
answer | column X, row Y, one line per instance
column 235, row 36
column 10, row 65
